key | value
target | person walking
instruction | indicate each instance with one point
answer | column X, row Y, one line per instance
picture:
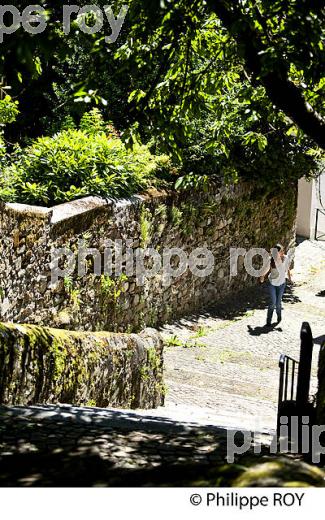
column 277, row 275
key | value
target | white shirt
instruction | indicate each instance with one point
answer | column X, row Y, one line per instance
column 279, row 274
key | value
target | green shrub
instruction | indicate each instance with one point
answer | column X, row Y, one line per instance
column 92, row 122
column 76, row 163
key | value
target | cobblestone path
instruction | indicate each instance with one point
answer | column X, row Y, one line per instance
column 225, row 370
column 222, row 374
column 62, row 446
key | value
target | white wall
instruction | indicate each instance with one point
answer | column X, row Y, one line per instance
column 311, row 196
column 318, row 202
column 305, row 195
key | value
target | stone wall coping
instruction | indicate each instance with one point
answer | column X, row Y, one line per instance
column 69, row 210
column 25, row 328
column 68, row 213
column 106, row 369
column 77, row 207
column 28, row 210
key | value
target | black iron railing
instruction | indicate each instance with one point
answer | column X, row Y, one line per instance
column 294, row 381
column 288, row 378
column 317, row 236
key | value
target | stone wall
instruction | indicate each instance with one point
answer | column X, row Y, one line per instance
column 222, row 218
column 46, row 366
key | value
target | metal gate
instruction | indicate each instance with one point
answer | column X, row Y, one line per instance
column 294, row 381
column 318, row 213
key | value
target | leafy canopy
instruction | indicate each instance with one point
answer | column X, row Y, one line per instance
column 278, row 44
column 193, row 51
column 232, row 88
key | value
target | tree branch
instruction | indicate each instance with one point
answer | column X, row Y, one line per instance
column 281, row 91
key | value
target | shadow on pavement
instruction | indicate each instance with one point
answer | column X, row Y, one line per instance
column 62, row 446
column 238, row 305
column 289, row 295
column 259, row 331
column 65, row 446
column 232, row 307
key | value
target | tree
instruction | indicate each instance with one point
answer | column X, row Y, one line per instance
column 226, row 83
column 45, row 71
column 278, row 44
column 282, row 44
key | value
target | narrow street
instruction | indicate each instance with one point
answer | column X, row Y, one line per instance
column 225, row 370
column 221, row 371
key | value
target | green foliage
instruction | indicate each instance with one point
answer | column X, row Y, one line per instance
column 192, row 181
column 8, row 113
column 111, row 288
column 91, row 403
column 246, row 140
column 68, row 284
column 72, row 292
column 202, row 104
column 284, row 37
column 154, row 360
column 8, row 110
column 201, row 332
column 92, row 122
column 161, row 211
column 173, row 341
column 145, row 226
column 112, row 291
column 76, row 163
column 176, row 216
column 68, row 123
column 206, row 48
column 208, row 80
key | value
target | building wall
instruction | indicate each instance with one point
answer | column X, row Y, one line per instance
column 311, row 197
column 318, row 202
column 305, row 195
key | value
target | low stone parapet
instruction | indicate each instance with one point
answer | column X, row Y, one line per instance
column 43, row 365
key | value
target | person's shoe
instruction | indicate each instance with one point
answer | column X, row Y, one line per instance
column 268, row 325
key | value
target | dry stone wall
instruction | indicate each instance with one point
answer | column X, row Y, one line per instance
column 44, row 366
column 222, row 218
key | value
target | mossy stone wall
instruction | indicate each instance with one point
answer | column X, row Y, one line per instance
column 218, row 219
column 46, row 366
